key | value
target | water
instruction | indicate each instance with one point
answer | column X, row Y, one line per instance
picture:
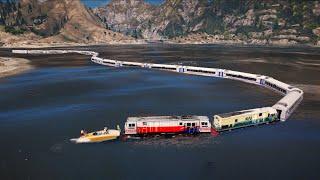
column 42, row 109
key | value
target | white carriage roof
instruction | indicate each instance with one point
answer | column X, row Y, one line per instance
column 279, row 83
column 289, row 99
column 235, row 113
column 167, row 118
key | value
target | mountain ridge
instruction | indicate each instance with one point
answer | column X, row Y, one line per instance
column 262, row 22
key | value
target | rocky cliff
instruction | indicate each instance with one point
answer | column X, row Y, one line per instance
column 125, row 15
column 242, row 21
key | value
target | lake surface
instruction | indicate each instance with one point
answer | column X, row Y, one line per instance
column 42, row 109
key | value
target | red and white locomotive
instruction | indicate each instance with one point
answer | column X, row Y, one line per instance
column 167, row 125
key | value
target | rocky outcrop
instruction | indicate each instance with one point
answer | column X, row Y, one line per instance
column 59, row 21
column 125, row 15
column 316, row 31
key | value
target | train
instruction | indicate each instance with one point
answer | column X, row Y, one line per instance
column 150, row 125
column 282, row 109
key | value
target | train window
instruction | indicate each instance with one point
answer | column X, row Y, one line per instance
column 236, row 120
column 260, row 114
column 224, row 127
column 180, row 124
column 144, row 123
column 193, row 124
column 204, row 124
column 133, row 125
column 188, row 124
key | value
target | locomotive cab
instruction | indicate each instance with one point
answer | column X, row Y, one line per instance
column 130, row 128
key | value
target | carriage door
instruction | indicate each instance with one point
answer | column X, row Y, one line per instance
column 279, row 114
column 187, row 126
column 181, row 69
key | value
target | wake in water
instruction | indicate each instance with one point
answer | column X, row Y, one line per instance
column 201, row 140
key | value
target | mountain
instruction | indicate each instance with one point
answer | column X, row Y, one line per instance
column 244, row 21
column 56, row 20
column 125, row 15
column 180, row 17
column 276, row 22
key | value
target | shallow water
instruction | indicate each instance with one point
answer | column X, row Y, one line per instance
column 42, row 109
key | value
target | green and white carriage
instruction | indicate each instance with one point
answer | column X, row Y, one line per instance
column 244, row 118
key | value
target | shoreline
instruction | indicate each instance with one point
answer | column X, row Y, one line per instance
column 231, row 44
column 10, row 66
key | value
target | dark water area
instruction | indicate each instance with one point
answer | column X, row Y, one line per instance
column 42, row 109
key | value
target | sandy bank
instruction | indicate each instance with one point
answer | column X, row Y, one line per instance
column 12, row 66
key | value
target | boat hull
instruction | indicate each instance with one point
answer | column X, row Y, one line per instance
column 97, row 137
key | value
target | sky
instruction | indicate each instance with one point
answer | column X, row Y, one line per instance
column 95, row 3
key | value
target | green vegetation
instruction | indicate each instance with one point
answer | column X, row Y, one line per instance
column 2, row 28
column 14, row 30
column 246, row 29
column 312, row 25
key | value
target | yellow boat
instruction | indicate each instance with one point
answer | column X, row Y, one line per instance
column 98, row 136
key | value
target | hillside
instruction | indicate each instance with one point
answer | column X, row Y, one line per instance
column 284, row 22
column 56, row 21
column 263, row 22
column 125, row 15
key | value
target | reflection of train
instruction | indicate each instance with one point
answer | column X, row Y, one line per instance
column 167, row 125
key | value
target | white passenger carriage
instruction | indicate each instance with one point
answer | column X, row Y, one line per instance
column 166, row 67
column 288, row 103
column 132, row 64
column 242, row 76
column 276, row 85
column 200, row 71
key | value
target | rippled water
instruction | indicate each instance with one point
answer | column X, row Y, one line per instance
column 42, row 109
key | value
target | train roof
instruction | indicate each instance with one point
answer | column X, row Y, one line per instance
column 279, row 83
column 201, row 68
column 235, row 113
column 167, row 118
column 290, row 98
column 243, row 73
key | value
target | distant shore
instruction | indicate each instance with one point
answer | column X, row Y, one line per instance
column 226, row 43
column 12, row 66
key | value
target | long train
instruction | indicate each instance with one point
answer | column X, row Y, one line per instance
column 280, row 111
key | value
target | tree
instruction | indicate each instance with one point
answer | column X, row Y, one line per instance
column 13, row 5
column 29, row 8
column 19, row 17
column 276, row 24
